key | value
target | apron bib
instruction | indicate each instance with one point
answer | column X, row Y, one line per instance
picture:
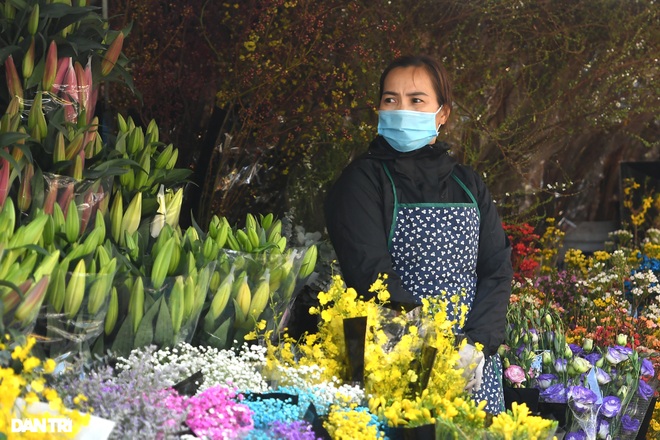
column 434, row 249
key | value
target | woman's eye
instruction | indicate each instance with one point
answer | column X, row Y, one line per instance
column 417, row 101
column 388, row 100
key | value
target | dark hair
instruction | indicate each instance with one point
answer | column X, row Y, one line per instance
column 439, row 76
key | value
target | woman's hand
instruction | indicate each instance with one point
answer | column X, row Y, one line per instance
column 472, row 363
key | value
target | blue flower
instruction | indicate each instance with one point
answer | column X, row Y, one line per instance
column 554, row 394
column 581, row 399
column 576, row 435
column 576, row 349
column 611, row 406
column 593, row 357
column 647, row 368
column 602, row 377
column 629, row 424
column 603, row 428
column 560, row 365
column 617, row 354
column 645, row 390
column 544, row 380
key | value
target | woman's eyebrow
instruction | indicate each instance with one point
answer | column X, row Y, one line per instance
column 387, row 92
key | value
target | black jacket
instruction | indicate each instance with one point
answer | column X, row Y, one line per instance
column 359, row 210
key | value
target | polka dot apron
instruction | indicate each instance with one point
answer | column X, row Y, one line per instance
column 434, row 248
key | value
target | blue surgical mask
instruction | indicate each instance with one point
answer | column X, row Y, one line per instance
column 407, row 130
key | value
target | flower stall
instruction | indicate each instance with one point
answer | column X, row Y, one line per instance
column 119, row 323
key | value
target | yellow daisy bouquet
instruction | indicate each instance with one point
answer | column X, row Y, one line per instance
column 23, row 383
column 409, row 373
column 408, row 359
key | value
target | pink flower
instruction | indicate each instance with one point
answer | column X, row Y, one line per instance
column 515, row 374
column 216, row 414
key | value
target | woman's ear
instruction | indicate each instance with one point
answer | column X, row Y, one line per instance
column 442, row 116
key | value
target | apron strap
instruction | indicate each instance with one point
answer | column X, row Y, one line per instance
column 469, row 193
column 395, row 208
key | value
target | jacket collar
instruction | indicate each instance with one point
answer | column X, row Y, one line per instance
column 429, row 162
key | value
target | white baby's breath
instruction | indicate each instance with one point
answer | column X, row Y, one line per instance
column 218, row 367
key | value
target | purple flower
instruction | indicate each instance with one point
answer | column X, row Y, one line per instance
column 534, row 335
column 611, row 406
column 581, row 398
column 645, row 390
column 602, row 377
column 576, row 435
column 545, row 380
column 647, row 368
column 593, row 357
column 554, row 394
column 617, row 354
column 296, row 430
column 603, row 428
column 629, row 424
column 576, row 349
column 560, row 365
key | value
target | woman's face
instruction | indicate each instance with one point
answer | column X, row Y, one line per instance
column 411, row 88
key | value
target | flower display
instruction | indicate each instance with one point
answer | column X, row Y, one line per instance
column 555, row 342
column 91, row 251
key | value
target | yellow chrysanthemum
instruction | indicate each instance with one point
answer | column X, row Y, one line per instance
column 30, row 364
column 49, row 366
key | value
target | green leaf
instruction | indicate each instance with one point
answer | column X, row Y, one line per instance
column 176, row 176
column 98, row 349
column 10, row 138
column 240, row 317
column 123, row 343
column 145, row 332
column 6, row 51
column 18, row 4
column 219, row 337
column 67, row 14
column 111, row 167
column 164, row 335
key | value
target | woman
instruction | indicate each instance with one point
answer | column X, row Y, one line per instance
column 409, row 210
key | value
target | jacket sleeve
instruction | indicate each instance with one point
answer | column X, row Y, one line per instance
column 357, row 230
column 486, row 322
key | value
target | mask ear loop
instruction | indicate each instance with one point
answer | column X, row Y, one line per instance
column 439, row 126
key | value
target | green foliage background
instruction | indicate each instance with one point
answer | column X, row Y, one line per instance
column 269, row 100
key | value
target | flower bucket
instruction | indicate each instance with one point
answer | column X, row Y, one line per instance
column 528, row 396
column 424, row 432
column 67, row 326
column 555, row 411
column 163, row 316
column 248, row 289
column 646, row 422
